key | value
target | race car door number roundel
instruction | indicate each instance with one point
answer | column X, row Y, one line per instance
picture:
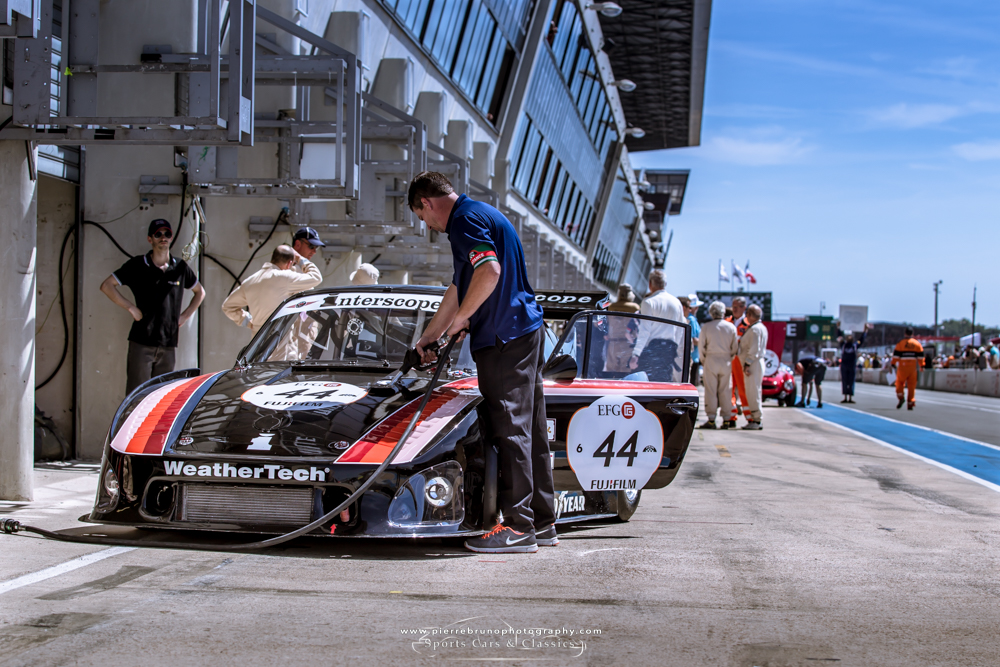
column 613, row 444
column 771, row 363
column 303, row 395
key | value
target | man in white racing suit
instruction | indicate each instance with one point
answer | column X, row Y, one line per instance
column 717, row 346
column 752, row 347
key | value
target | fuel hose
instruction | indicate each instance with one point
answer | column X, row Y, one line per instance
column 12, row 526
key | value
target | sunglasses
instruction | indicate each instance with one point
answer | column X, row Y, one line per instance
column 163, row 234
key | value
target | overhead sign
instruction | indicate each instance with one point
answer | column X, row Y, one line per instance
column 819, row 327
column 853, row 318
column 795, row 330
column 614, row 444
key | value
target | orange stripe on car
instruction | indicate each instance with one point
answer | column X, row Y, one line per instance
column 146, row 430
column 445, row 403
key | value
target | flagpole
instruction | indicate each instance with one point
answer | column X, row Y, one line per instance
column 718, row 275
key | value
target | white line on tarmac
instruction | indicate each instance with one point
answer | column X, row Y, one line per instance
column 935, row 400
column 62, row 568
column 926, row 428
column 960, row 473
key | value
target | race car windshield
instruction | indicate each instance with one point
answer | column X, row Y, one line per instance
column 620, row 346
column 349, row 328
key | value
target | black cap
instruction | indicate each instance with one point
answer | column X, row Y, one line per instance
column 309, row 234
column 159, row 223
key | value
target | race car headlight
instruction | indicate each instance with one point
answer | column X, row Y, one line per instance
column 438, row 492
column 107, row 493
column 789, row 384
column 432, row 497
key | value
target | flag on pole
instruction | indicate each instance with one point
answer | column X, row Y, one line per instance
column 737, row 272
column 723, row 276
column 750, row 277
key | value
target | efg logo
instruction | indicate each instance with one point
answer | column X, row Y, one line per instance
column 626, row 410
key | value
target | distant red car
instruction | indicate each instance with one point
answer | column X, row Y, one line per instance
column 780, row 385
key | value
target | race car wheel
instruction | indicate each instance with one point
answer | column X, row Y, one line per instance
column 790, row 401
column 628, row 503
column 781, row 402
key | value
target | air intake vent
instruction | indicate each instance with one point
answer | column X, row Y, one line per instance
column 261, row 505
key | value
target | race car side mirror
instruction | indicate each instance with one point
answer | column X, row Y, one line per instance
column 562, row 367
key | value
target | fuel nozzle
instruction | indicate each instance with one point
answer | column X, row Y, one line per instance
column 412, row 358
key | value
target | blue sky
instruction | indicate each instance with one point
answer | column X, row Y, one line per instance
column 851, row 152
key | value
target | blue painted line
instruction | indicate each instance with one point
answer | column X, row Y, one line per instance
column 976, row 460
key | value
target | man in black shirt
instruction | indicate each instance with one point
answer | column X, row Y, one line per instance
column 157, row 281
column 813, row 372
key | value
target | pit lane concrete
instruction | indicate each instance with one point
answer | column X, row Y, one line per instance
column 802, row 544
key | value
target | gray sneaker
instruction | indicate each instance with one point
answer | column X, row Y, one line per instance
column 752, row 426
column 503, row 540
column 547, row 537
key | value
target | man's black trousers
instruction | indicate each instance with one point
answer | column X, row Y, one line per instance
column 145, row 362
column 510, row 380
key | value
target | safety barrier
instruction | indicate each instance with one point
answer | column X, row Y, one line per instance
column 962, row 380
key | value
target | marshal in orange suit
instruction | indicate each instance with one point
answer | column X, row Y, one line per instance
column 908, row 357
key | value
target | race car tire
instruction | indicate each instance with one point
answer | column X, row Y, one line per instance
column 627, row 506
column 790, row 401
column 781, row 402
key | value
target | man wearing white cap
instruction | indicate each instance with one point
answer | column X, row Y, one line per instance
column 365, row 275
column 691, row 304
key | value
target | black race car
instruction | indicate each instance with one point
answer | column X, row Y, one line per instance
column 313, row 405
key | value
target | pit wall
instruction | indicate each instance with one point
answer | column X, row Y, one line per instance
column 961, row 381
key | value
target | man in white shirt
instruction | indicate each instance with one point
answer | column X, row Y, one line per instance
column 753, row 346
column 264, row 291
column 659, row 348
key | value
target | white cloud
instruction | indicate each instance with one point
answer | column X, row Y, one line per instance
column 978, row 151
column 909, row 116
column 739, row 150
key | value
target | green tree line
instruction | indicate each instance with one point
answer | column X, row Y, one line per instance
column 963, row 327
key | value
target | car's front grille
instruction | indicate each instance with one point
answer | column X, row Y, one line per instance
column 261, row 505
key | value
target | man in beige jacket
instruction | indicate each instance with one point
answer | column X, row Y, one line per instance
column 264, row 291
column 717, row 346
column 753, row 345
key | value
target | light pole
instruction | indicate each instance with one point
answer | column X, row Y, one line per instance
column 937, row 286
column 973, row 314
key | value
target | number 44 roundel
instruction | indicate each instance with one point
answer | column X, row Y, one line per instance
column 303, row 395
column 614, row 444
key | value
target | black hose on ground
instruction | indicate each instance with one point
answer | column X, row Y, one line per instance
column 12, row 526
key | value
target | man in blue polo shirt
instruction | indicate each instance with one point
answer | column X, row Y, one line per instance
column 490, row 296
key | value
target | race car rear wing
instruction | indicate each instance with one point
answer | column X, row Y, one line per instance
column 563, row 304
